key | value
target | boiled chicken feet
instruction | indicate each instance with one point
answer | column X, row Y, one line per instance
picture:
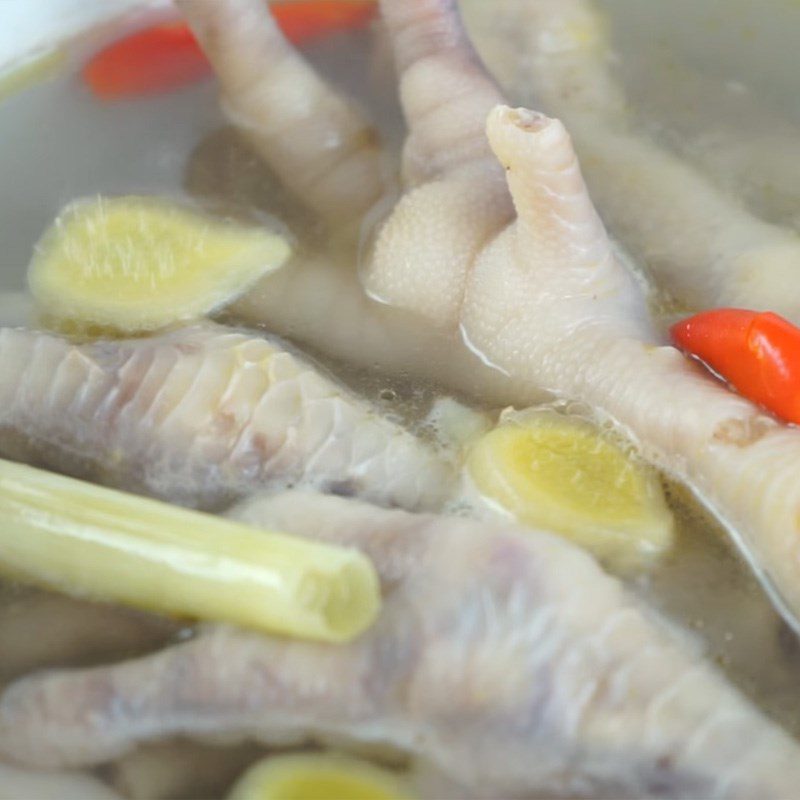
column 314, row 139
column 204, row 415
column 318, row 301
column 456, row 198
column 698, row 242
column 488, row 635
column 324, row 149
column 548, row 302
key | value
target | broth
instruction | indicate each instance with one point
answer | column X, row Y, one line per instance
column 144, row 146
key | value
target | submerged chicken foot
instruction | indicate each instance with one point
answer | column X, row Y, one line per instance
column 314, row 139
column 201, row 416
column 548, row 302
column 699, row 242
column 544, row 299
column 577, row 687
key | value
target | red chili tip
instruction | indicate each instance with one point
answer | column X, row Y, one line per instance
column 703, row 328
column 166, row 57
column 758, row 353
column 151, row 61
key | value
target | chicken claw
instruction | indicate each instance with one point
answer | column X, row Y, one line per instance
column 488, row 635
column 699, row 243
column 201, row 416
column 315, row 140
column 548, row 302
column 456, row 198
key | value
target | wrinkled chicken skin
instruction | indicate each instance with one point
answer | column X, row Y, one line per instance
column 456, row 196
column 320, row 286
column 549, row 304
column 488, row 634
column 203, row 415
column 321, row 303
column 700, row 244
column 539, row 652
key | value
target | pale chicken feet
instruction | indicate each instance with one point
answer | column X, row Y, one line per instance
column 314, row 139
column 548, row 302
column 698, row 242
column 322, row 148
column 506, row 657
column 204, row 415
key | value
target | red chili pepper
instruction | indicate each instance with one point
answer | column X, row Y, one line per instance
column 757, row 353
column 311, row 19
column 166, row 57
column 151, row 61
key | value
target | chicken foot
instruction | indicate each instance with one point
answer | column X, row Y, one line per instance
column 19, row 784
column 283, row 109
column 697, row 241
column 488, row 634
column 201, row 416
column 549, row 303
column 314, row 139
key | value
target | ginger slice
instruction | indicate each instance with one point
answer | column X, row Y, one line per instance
column 136, row 264
column 558, row 473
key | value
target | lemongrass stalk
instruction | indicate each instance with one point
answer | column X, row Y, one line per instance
column 95, row 542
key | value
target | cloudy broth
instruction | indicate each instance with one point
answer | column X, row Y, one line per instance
column 179, row 145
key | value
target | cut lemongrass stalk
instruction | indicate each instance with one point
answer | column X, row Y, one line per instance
column 318, row 777
column 95, row 542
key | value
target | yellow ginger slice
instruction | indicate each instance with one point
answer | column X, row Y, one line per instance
column 318, row 777
column 95, row 542
column 136, row 264
column 558, row 473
